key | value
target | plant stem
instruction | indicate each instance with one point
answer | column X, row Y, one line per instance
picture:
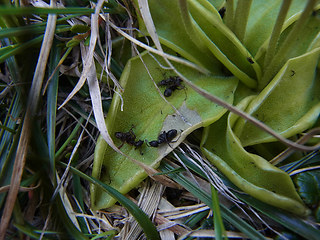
column 276, row 32
column 241, row 18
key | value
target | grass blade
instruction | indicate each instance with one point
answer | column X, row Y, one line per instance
column 18, row 48
column 218, row 224
column 139, row 215
column 52, row 106
column 32, row 10
column 291, row 222
column 26, row 30
column 24, row 141
column 286, row 219
column 227, row 214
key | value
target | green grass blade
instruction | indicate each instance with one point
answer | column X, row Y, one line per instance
column 228, row 215
column 218, row 223
column 193, row 220
column 78, row 193
column 9, row 141
column 71, row 136
column 286, row 219
column 27, row 30
column 311, row 158
column 4, row 11
column 29, row 232
column 52, row 105
column 137, row 213
column 19, row 48
column 105, row 235
column 67, row 223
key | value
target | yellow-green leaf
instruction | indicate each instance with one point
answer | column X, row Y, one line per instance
column 289, row 104
column 146, row 110
column 251, row 173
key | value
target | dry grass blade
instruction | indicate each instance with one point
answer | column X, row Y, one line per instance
column 146, row 15
column 155, row 51
column 172, row 226
column 21, row 189
column 89, row 57
column 148, row 202
column 211, row 234
column 286, row 153
column 304, row 170
column 33, row 100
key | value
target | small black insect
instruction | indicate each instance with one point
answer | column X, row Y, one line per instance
column 292, row 73
column 129, row 138
column 164, row 137
column 153, row 143
column 138, row 143
column 222, row 11
column 167, row 92
column 250, row 60
column 314, row 13
column 172, row 83
column 171, row 134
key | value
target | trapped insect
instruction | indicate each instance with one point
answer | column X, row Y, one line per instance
column 172, row 83
column 164, row 137
column 129, row 138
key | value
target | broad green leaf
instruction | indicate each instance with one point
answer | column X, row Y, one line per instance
column 147, row 112
column 169, row 23
column 217, row 3
column 309, row 187
column 306, row 37
column 222, row 42
column 251, row 173
column 295, row 40
column 262, row 17
column 289, row 104
column 202, row 31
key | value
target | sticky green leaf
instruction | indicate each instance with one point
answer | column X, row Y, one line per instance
column 306, row 37
column 171, row 30
column 147, row 114
column 289, row 104
column 206, row 40
column 251, row 173
column 223, row 43
column 262, row 17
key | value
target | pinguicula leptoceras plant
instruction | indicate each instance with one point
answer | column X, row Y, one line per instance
column 260, row 57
